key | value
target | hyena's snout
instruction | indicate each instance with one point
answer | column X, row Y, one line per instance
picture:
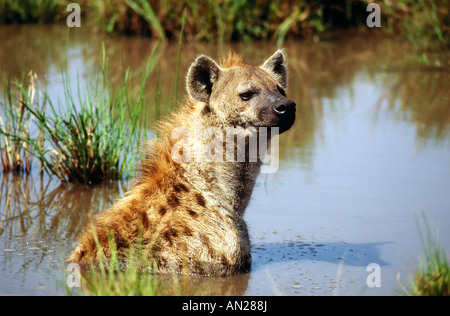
column 285, row 112
column 284, row 108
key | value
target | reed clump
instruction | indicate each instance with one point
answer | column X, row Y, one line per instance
column 227, row 20
column 91, row 138
column 424, row 22
column 15, row 120
column 119, row 277
column 432, row 278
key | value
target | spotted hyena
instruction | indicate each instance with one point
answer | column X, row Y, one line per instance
column 187, row 212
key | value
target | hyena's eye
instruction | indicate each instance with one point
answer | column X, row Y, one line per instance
column 246, row 95
column 281, row 90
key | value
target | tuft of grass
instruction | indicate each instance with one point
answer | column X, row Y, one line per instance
column 14, row 119
column 144, row 9
column 91, row 138
column 126, row 282
column 126, row 273
column 116, row 277
column 432, row 278
column 180, row 42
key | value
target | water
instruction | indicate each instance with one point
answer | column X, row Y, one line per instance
column 370, row 152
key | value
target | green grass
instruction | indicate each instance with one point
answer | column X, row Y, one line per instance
column 14, row 119
column 144, row 9
column 114, row 277
column 32, row 11
column 432, row 278
column 127, row 282
column 426, row 23
column 130, row 273
column 223, row 21
column 90, row 138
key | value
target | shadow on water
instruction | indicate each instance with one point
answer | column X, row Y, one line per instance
column 351, row 254
column 268, row 255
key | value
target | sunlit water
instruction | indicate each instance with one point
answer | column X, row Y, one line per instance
column 369, row 153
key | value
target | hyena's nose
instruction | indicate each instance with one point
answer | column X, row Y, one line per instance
column 283, row 108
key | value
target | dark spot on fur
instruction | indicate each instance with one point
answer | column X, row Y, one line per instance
column 162, row 262
column 120, row 241
column 166, row 237
column 192, row 213
column 145, row 221
column 204, row 239
column 206, row 110
column 173, row 232
column 147, row 191
column 173, row 201
column 168, row 234
column 200, row 199
column 187, row 231
column 180, row 187
column 224, row 260
column 162, row 210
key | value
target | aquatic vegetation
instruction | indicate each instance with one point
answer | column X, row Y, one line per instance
column 425, row 23
column 32, row 11
column 14, row 119
column 132, row 274
column 227, row 20
column 113, row 278
column 92, row 137
column 432, row 278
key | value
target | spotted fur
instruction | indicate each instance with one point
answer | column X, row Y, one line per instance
column 188, row 216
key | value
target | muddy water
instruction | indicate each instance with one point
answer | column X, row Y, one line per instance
column 370, row 150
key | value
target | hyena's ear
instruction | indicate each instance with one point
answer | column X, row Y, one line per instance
column 201, row 77
column 274, row 66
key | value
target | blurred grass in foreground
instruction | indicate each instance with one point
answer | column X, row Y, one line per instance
column 432, row 278
column 226, row 20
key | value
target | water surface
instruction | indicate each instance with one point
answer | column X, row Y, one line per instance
column 370, row 150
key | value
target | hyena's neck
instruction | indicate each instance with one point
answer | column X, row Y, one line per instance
column 227, row 185
column 226, row 181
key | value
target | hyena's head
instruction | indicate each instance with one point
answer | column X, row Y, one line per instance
column 243, row 95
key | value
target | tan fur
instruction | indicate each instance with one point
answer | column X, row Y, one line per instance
column 188, row 216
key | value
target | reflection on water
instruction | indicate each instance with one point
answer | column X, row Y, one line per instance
column 422, row 98
column 40, row 222
column 50, row 210
column 355, row 186
column 40, row 219
column 235, row 285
